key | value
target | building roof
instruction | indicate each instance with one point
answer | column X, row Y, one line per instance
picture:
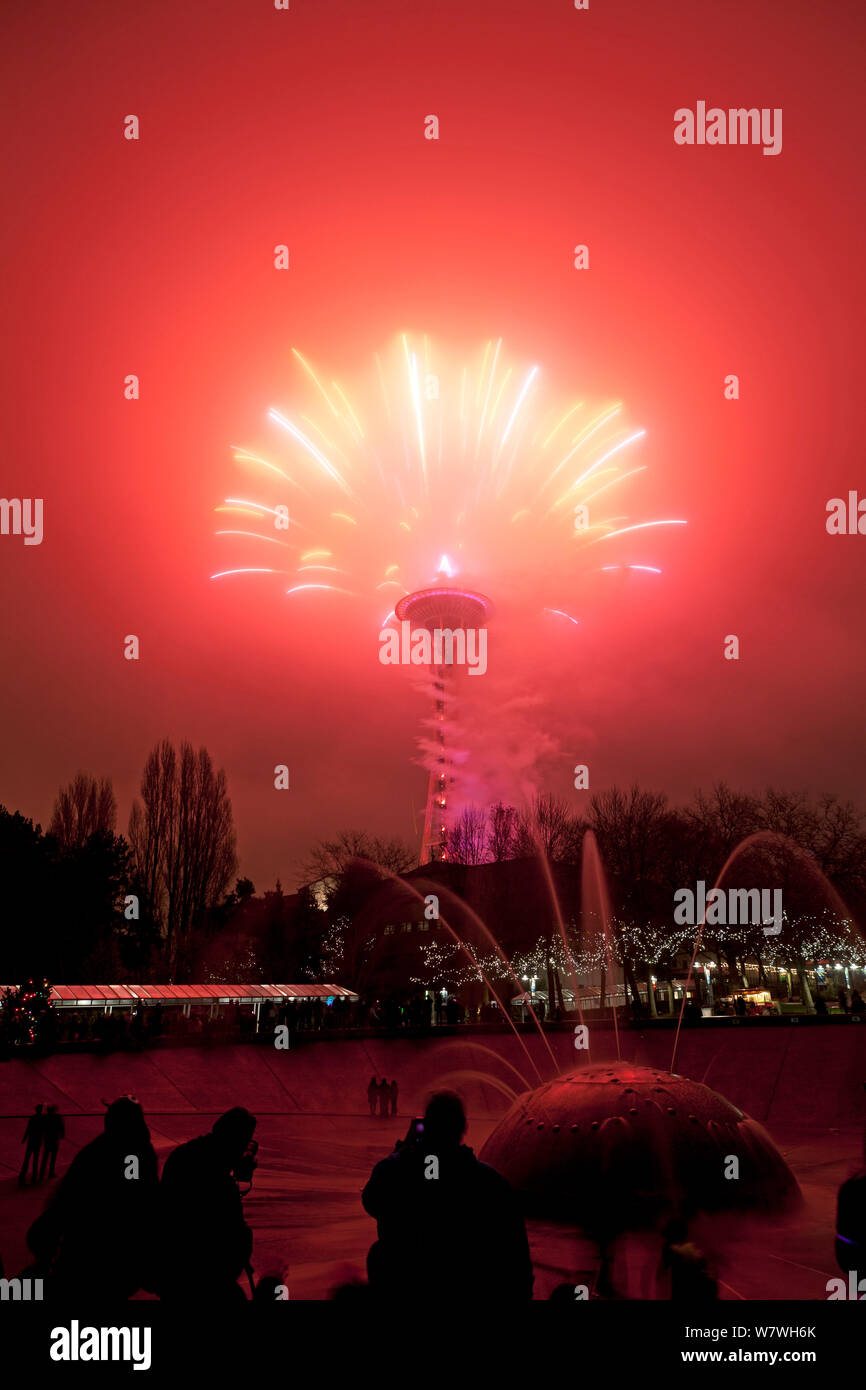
column 69, row 995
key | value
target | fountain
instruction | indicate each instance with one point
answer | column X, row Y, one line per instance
column 621, row 1147
column 629, row 1146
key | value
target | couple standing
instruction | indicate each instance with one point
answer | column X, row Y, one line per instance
column 382, row 1095
column 44, row 1131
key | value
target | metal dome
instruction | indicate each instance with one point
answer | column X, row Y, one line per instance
column 620, row 1147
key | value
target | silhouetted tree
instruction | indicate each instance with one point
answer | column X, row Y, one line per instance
column 724, row 818
column 26, row 889
column 328, row 859
column 183, row 839
column 91, row 885
column 83, row 808
column 501, row 832
column 465, row 840
column 548, row 827
column 63, row 909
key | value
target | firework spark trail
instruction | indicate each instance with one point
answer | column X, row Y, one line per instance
column 476, row 462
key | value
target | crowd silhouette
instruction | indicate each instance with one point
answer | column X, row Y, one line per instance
column 43, row 1132
column 449, row 1227
column 382, row 1097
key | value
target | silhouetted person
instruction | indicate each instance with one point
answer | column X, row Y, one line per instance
column 820, row 1005
column 842, row 1000
column 857, row 1005
column 392, row 1096
column 449, row 1226
column 205, row 1240
column 373, row 1095
column 92, row 1239
column 740, row 1006
column 32, row 1137
column 383, row 1097
column 54, row 1132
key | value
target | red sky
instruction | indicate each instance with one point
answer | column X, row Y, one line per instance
column 261, row 127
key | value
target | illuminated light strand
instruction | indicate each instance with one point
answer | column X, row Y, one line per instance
column 243, row 511
column 222, row 573
column 272, row 540
column 259, row 506
column 614, row 481
column 514, row 415
column 643, row 526
column 651, row 568
column 581, row 439
column 487, row 397
column 331, row 588
column 412, row 370
column 243, row 457
column 603, row 473
column 567, row 416
column 499, row 394
column 464, row 422
column 487, row 346
column 519, row 402
column 309, row 370
column 310, row 447
column 382, row 384
column 326, row 439
column 593, row 468
column 344, row 398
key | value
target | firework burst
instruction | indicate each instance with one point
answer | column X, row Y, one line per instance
column 429, row 468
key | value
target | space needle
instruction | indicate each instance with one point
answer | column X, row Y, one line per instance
column 442, row 607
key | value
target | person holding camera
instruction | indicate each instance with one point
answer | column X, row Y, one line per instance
column 206, row 1242
column 449, row 1227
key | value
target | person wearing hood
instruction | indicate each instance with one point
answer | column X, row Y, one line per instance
column 93, row 1238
